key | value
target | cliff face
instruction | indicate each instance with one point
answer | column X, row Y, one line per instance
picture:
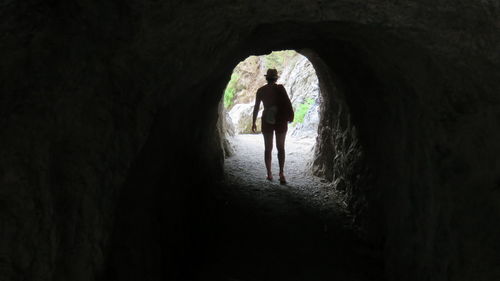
column 107, row 108
column 301, row 83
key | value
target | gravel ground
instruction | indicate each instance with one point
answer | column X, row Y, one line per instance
column 247, row 168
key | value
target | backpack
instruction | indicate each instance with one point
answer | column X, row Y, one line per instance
column 285, row 109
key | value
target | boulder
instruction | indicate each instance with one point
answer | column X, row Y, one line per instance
column 241, row 115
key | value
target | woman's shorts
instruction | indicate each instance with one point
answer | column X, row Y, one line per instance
column 280, row 128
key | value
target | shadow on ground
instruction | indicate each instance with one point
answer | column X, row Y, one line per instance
column 270, row 232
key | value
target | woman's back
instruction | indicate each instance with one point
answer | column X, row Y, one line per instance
column 269, row 94
column 276, row 102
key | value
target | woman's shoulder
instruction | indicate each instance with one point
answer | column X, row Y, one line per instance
column 281, row 88
column 262, row 88
column 259, row 90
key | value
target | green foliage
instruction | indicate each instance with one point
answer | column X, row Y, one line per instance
column 277, row 59
column 302, row 110
column 273, row 60
column 231, row 90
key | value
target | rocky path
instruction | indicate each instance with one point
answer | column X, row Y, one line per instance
column 247, row 165
column 266, row 231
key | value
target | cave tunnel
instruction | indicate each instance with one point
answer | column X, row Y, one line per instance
column 111, row 150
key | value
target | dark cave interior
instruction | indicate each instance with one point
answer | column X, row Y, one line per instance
column 111, row 152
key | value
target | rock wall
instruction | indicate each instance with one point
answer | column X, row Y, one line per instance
column 109, row 108
column 225, row 129
column 340, row 157
column 301, row 82
column 251, row 73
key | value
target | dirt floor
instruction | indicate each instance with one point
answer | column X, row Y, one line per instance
column 261, row 230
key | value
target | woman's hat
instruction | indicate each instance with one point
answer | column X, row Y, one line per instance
column 272, row 73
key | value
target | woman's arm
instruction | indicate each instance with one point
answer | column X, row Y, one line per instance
column 255, row 111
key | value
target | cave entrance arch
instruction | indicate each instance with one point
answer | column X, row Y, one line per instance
column 281, row 204
column 297, row 75
column 362, row 72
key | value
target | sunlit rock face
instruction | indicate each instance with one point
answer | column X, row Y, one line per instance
column 241, row 116
column 301, row 82
column 109, row 107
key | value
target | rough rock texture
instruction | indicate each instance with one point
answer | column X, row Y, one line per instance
column 300, row 80
column 225, row 130
column 251, row 77
column 301, row 83
column 241, row 115
column 108, row 108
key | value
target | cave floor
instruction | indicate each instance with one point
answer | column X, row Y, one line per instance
column 262, row 230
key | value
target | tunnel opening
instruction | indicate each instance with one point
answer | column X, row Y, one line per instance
column 335, row 155
column 299, row 79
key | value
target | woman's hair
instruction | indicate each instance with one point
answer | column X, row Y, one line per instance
column 271, row 79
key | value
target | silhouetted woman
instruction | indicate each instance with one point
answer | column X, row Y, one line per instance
column 277, row 113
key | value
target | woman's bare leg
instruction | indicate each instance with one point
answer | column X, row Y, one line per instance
column 268, row 149
column 280, row 145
